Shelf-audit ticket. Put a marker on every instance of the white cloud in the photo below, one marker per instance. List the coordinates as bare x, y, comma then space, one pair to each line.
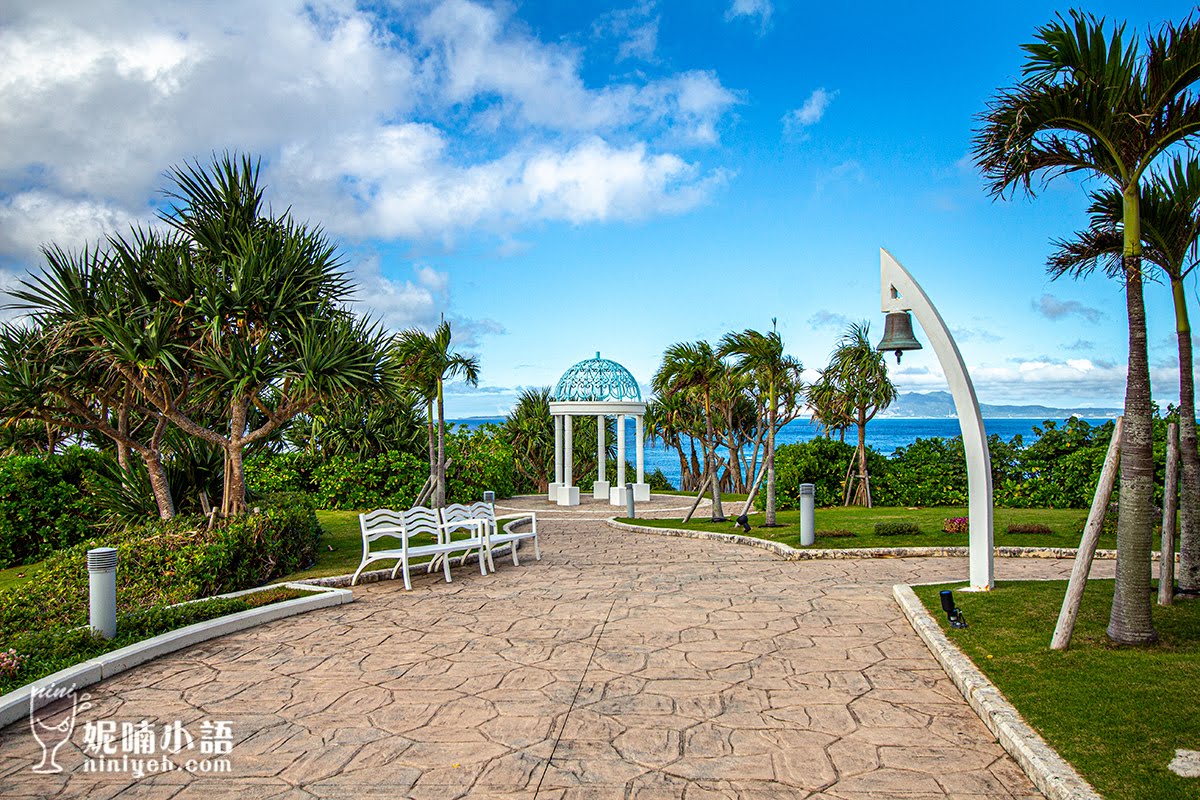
1053, 308
829, 319
759, 11
416, 120
798, 120
636, 31
416, 302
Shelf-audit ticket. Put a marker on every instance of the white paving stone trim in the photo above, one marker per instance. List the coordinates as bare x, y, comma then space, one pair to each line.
818, 553
15, 705
1046, 768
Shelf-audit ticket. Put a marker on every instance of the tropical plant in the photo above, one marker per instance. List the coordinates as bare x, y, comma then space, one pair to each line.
428, 362
1091, 102
857, 376
776, 377
695, 368
1170, 225
530, 431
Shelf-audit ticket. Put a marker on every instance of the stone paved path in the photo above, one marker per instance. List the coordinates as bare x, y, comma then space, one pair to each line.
621, 665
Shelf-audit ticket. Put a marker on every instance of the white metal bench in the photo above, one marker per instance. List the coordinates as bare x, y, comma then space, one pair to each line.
506, 535
402, 526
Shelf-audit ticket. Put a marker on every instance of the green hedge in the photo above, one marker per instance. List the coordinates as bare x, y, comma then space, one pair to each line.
165, 562
45, 504
481, 459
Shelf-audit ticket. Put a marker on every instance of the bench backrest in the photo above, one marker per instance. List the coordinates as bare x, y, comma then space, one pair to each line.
455, 515
380, 523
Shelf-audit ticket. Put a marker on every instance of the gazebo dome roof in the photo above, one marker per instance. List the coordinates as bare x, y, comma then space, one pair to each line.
596, 380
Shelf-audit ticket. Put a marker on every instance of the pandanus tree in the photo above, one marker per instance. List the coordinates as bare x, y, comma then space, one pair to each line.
55, 369
760, 356
857, 376
1170, 226
227, 325
673, 421
428, 361
1092, 102
694, 368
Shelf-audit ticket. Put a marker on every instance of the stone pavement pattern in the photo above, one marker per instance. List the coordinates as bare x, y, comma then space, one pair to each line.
621, 665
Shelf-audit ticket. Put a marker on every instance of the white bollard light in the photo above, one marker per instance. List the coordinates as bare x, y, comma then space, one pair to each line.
629, 511
102, 587
808, 523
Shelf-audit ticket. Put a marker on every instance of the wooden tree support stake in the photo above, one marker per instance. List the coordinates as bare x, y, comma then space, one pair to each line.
1087, 545
708, 478
1166, 556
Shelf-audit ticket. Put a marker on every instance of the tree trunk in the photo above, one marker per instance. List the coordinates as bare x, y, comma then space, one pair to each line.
159, 483
862, 496
122, 447
710, 457
440, 489
1189, 457
770, 465
433, 462
235, 483
1130, 621
697, 475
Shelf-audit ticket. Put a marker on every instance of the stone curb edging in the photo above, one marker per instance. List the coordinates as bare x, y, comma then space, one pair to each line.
793, 554
1053, 776
16, 704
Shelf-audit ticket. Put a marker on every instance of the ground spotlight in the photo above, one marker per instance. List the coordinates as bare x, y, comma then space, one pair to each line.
953, 613
743, 522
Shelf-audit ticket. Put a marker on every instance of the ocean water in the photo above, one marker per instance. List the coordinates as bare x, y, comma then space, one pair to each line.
885, 435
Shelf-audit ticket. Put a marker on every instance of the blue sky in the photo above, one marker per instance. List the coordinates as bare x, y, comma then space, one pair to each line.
560, 178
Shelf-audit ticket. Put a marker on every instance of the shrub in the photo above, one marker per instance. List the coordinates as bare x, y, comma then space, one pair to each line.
165, 562
821, 462
45, 504
840, 533
896, 528
956, 525
1021, 527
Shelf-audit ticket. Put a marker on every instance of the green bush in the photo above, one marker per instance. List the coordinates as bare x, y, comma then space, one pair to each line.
956, 525
821, 462
1029, 528
165, 562
45, 504
896, 528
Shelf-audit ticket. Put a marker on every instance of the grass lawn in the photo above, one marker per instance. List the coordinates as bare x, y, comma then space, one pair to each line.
1066, 526
1117, 714
15, 576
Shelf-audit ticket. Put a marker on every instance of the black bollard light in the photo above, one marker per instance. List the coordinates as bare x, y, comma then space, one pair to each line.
952, 611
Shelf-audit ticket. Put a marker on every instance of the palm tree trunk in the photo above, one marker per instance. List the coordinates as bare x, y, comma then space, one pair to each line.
235, 479
1130, 621
861, 496
122, 447
440, 493
770, 465
695, 471
710, 456
1189, 498
433, 462
159, 483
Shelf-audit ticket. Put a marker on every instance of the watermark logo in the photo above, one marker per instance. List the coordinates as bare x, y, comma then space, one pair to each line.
52, 713
135, 748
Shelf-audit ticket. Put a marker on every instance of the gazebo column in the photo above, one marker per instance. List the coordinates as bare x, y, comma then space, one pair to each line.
568, 494
600, 488
616, 497
558, 459
641, 489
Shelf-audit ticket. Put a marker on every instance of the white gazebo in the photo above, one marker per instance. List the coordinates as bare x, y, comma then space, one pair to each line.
601, 388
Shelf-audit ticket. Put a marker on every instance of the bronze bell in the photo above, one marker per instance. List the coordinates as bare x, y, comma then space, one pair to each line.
898, 334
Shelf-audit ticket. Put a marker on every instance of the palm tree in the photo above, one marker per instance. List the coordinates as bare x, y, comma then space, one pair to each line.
829, 407
857, 374
1091, 103
670, 420
689, 366
1170, 217
761, 355
431, 362
530, 430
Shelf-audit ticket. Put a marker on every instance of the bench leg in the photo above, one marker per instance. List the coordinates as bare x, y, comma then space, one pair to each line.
482, 563
358, 572
536, 550
446, 568
407, 582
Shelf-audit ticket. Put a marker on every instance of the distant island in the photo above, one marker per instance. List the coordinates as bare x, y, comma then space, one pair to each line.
935, 405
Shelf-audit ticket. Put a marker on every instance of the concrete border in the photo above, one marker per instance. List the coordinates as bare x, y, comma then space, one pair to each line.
792, 554
1053, 776
18, 703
